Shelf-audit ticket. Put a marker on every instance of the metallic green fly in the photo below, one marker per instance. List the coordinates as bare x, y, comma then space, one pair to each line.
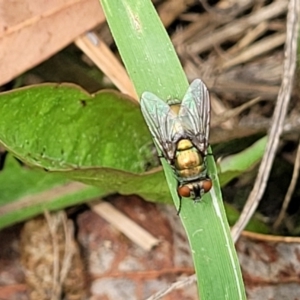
180, 131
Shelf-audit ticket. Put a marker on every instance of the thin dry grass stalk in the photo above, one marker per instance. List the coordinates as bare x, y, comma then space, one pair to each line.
278, 118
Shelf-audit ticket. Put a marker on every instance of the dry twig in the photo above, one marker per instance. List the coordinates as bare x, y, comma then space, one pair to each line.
175, 286
106, 61
128, 227
231, 30
290, 190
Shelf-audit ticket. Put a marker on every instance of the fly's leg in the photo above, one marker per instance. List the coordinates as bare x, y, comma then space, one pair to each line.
2, 158
179, 208
180, 199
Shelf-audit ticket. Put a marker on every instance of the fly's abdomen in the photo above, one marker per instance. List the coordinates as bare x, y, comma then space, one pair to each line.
189, 161
190, 173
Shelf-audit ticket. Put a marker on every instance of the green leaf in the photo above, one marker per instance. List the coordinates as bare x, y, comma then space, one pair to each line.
254, 225
234, 165
61, 127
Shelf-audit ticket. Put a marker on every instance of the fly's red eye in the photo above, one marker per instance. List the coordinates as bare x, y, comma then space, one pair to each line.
206, 185
184, 191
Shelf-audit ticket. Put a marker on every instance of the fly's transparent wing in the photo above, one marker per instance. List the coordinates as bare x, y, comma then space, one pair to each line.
194, 114
163, 124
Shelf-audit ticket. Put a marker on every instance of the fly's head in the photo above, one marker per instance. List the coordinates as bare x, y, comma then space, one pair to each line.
196, 189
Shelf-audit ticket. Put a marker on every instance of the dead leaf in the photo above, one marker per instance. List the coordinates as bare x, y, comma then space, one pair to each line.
32, 31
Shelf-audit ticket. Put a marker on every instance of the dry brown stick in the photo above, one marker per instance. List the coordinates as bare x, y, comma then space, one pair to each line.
169, 10
249, 38
233, 29
290, 190
255, 50
207, 22
180, 37
278, 118
106, 61
56, 287
128, 227
175, 286
69, 249
218, 107
225, 84
227, 9
231, 113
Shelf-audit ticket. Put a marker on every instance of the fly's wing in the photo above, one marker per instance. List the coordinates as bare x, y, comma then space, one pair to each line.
194, 114
163, 124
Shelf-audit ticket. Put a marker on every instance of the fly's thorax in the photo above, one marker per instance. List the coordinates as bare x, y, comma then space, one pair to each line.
174, 105
184, 144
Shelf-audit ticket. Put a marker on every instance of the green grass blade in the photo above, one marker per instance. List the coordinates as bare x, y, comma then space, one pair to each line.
153, 66
140, 20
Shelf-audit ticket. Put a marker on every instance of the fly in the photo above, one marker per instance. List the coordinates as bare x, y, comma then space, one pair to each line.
181, 130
